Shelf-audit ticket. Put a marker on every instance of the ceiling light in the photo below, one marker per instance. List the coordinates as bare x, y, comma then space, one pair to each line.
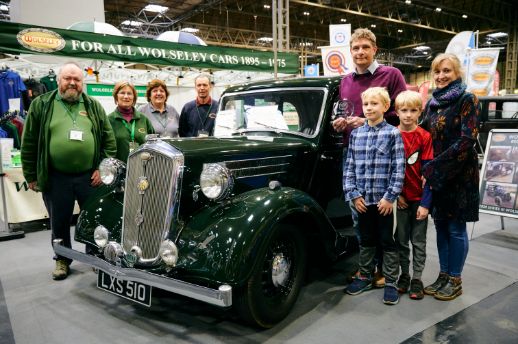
438, 9
189, 30
265, 39
305, 13
399, 30
343, 20
267, 6
306, 44
408, 2
373, 25
156, 8
4, 8
131, 23
422, 48
464, 16
497, 35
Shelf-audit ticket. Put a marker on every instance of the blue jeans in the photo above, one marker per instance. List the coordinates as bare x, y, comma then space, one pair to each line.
452, 245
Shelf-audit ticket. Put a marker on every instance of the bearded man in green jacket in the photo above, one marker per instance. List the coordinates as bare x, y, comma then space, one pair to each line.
66, 135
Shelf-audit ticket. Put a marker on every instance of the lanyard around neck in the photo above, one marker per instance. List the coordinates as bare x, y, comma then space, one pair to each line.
202, 122
132, 130
72, 116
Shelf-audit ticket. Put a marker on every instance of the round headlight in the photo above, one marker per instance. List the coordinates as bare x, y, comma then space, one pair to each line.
215, 181
112, 171
101, 236
113, 251
168, 252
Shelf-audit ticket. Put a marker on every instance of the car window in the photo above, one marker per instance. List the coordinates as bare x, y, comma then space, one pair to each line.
296, 111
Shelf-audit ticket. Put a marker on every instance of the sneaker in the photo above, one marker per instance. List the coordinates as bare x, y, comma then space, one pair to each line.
416, 289
350, 278
359, 285
390, 295
403, 283
451, 290
378, 279
61, 271
438, 284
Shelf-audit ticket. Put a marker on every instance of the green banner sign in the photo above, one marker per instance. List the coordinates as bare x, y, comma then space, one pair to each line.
19, 38
106, 90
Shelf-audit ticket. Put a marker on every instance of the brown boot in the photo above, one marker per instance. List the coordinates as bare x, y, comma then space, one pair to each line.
451, 290
61, 271
441, 281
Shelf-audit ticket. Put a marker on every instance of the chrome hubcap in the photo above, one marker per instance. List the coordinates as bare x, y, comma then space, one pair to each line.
280, 270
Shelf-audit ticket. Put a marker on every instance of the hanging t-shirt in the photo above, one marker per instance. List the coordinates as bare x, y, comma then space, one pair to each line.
50, 82
11, 86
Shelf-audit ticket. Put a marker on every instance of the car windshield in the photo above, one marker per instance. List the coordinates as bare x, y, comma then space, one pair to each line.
281, 110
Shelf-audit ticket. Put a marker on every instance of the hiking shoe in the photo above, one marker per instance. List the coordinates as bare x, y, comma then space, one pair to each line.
438, 284
359, 285
451, 290
416, 289
403, 283
390, 295
61, 271
378, 279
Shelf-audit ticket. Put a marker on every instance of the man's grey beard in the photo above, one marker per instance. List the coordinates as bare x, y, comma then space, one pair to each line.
70, 97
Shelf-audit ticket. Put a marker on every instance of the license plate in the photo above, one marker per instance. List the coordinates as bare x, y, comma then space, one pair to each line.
134, 291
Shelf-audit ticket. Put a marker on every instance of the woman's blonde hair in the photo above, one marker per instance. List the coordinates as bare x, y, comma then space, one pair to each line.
455, 62
119, 86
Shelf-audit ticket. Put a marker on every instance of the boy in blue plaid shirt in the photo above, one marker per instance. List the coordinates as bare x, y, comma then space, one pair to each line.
373, 179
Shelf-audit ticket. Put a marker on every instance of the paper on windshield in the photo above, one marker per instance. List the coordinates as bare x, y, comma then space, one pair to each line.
268, 117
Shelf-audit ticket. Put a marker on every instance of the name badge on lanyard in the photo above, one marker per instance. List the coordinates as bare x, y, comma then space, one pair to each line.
75, 135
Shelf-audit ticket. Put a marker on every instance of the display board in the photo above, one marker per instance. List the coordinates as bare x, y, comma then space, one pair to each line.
499, 174
23, 204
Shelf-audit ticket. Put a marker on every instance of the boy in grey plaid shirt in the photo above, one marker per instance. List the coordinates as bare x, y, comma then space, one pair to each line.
373, 179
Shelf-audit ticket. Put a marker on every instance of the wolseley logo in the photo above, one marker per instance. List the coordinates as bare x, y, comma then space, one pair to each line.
40, 40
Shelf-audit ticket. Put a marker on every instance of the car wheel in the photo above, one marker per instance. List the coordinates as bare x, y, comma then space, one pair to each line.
498, 200
507, 197
271, 291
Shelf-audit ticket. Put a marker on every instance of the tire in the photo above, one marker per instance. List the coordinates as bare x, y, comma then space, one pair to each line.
498, 200
264, 300
507, 197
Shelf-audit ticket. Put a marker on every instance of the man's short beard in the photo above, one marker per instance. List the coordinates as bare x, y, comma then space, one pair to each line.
70, 97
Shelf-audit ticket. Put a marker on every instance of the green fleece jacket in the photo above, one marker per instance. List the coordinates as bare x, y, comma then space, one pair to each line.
122, 135
36, 137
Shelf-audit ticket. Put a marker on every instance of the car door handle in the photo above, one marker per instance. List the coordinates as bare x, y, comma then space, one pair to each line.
325, 157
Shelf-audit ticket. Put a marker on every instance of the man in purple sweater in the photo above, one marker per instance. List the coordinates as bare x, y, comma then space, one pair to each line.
368, 73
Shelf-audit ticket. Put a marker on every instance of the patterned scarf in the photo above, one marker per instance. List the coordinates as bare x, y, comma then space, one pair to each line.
449, 94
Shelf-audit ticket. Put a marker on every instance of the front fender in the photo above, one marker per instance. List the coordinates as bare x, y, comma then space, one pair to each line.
104, 207
222, 242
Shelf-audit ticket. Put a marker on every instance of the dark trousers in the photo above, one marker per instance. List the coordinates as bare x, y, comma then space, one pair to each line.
64, 190
378, 229
413, 230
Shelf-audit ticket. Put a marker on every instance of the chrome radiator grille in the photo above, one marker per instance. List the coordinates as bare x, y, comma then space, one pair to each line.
153, 181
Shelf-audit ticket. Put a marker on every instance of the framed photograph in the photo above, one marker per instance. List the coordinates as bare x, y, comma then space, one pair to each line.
499, 174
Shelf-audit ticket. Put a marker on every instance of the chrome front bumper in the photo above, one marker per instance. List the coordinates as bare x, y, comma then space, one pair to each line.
220, 297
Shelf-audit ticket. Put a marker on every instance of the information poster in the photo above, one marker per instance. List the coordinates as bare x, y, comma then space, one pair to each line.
499, 175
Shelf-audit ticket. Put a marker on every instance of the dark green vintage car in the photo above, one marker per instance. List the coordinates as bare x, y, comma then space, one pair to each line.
231, 220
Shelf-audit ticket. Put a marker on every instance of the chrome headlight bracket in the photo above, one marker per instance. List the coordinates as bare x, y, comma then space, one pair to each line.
112, 172
216, 181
